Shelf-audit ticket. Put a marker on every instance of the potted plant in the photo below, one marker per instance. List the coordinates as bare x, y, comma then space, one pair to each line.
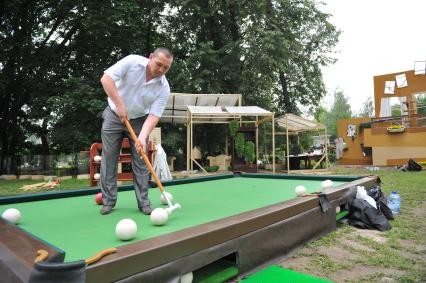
233, 128
214, 168
243, 148
239, 145
396, 129
249, 152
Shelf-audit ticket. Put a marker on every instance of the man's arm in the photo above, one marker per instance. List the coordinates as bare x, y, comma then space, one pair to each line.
149, 124
111, 90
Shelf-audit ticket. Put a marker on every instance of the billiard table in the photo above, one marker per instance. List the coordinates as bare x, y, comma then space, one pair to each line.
246, 218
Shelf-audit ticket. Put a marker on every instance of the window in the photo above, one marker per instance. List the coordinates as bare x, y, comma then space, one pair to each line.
420, 68
401, 81
420, 109
389, 87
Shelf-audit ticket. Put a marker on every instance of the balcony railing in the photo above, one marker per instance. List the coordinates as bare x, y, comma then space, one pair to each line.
412, 123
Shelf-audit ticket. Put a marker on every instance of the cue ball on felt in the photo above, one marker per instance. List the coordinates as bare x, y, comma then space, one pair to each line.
97, 176
159, 216
12, 214
98, 198
300, 191
163, 199
97, 158
326, 184
126, 229
187, 278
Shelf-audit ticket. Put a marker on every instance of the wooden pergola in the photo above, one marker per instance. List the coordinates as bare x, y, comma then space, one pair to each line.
223, 115
191, 109
294, 125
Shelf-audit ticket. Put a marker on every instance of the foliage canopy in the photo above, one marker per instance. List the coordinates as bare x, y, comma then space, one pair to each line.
54, 53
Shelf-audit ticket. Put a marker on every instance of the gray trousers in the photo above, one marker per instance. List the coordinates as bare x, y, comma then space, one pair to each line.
113, 132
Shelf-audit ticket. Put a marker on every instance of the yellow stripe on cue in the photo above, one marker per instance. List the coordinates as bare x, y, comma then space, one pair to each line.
100, 255
41, 255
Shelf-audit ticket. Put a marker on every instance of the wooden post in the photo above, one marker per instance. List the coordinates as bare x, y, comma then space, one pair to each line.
257, 141
188, 148
326, 150
273, 144
191, 144
288, 152
226, 142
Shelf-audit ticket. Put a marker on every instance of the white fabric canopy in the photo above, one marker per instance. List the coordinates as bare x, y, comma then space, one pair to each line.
177, 105
229, 110
224, 114
297, 124
255, 110
205, 110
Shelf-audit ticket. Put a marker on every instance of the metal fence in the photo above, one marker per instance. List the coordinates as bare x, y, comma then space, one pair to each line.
48, 165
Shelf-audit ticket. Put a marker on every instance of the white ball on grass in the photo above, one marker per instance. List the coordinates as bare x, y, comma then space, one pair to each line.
97, 158
163, 199
159, 216
326, 184
300, 191
126, 229
187, 278
12, 215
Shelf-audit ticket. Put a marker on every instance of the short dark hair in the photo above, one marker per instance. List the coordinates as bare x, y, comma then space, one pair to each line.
165, 51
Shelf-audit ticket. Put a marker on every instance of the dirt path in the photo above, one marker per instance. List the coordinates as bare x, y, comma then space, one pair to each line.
356, 255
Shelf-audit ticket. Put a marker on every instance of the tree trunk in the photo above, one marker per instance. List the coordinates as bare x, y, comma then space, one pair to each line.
285, 101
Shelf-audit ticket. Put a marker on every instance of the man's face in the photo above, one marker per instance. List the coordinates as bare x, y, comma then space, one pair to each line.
159, 65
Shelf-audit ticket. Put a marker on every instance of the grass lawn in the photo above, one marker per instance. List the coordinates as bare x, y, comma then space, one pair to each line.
355, 255
12, 187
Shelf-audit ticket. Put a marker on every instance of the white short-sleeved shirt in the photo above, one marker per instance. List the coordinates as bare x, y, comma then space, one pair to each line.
140, 97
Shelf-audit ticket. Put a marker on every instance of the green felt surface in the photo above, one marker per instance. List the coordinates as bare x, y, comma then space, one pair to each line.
75, 225
218, 271
275, 273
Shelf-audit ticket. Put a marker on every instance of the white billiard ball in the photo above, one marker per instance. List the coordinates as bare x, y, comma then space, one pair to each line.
126, 229
326, 184
300, 191
163, 198
159, 216
187, 278
12, 215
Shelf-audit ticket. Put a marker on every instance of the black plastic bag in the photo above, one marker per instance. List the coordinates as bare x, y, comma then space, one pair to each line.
413, 165
363, 215
381, 202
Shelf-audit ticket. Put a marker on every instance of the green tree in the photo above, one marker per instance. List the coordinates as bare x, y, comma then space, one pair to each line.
340, 109
53, 54
289, 43
271, 52
367, 109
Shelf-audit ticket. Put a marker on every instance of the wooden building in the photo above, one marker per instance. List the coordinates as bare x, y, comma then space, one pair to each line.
398, 130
